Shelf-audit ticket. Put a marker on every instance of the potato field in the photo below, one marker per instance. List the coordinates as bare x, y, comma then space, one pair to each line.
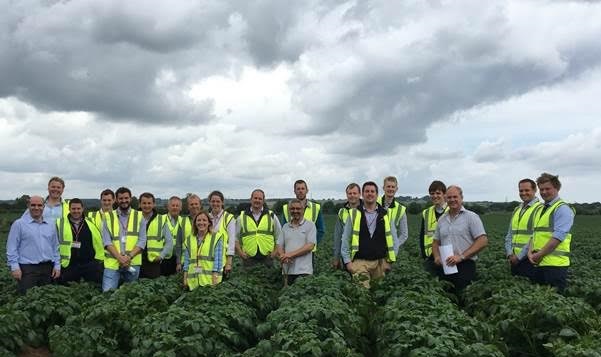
409, 313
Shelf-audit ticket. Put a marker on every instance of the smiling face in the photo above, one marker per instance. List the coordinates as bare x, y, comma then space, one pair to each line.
194, 206
257, 199
370, 194
296, 211
353, 195
454, 199
390, 188
146, 205
106, 202
36, 207
174, 207
124, 200
202, 223
300, 191
527, 192
76, 211
55, 190
216, 204
547, 191
437, 197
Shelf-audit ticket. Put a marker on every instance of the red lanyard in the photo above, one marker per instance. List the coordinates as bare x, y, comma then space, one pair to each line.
76, 232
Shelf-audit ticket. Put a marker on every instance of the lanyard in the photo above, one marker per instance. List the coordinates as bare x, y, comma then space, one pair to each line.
76, 231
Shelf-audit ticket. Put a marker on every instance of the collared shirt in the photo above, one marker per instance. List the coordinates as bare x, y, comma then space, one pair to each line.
460, 231
509, 236
563, 219
53, 212
230, 229
32, 242
293, 237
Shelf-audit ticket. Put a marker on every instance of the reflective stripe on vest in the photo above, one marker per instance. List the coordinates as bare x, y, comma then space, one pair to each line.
522, 227
310, 214
430, 223
543, 232
204, 260
65, 239
255, 237
394, 213
155, 241
131, 239
356, 221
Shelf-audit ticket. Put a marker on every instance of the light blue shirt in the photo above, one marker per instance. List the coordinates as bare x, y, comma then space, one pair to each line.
563, 219
50, 212
32, 242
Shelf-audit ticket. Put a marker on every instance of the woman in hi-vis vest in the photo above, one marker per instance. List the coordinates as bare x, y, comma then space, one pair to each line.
203, 254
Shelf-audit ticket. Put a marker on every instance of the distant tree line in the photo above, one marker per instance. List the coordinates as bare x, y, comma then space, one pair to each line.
414, 206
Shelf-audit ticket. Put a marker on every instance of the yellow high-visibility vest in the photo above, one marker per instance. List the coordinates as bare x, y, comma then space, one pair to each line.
356, 221
200, 269
131, 239
65, 239
543, 232
430, 223
259, 237
522, 227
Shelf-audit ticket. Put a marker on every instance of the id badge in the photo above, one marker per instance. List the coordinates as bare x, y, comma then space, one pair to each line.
198, 270
76, 245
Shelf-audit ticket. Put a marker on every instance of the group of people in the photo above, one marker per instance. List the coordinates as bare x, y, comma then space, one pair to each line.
54, 240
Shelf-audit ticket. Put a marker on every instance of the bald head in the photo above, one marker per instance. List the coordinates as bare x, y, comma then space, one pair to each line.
36, 207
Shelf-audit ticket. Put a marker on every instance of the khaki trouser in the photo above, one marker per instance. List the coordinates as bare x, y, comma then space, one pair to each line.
366, 270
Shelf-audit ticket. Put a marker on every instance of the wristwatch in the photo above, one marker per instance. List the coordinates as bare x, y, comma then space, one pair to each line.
462, 257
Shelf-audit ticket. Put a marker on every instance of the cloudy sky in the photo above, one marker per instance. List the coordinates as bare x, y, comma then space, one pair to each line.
189, 96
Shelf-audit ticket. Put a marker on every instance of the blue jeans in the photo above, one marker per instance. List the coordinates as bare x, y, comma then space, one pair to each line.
110, 277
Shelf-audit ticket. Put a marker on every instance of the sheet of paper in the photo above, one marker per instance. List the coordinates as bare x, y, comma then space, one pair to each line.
445, 252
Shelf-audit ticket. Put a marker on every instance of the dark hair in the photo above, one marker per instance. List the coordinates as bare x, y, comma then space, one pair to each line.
218, 194
122, 190
369, 183
75, 200
530, 181
351, 186
298, 182
257, 190
107, 192
437, 186
547, 177
195, 229
147, 195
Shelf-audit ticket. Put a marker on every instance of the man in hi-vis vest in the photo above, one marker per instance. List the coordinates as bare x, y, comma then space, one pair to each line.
520, 230
430, 216
80, 246
124, 245
549, 250
256, 230
369, 238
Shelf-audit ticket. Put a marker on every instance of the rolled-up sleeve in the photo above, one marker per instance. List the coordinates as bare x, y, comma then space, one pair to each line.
564, 219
